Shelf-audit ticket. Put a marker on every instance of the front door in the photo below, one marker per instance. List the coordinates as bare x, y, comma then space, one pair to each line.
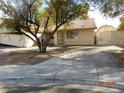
61, 38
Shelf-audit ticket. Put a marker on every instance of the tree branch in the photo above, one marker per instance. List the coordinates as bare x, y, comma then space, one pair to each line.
46, 24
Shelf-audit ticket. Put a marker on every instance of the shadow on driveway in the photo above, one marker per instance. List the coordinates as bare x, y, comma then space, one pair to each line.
70, 88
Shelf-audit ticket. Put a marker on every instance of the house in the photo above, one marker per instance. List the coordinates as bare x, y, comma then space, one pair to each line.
103, 35
106, 28
79, 32
108, 35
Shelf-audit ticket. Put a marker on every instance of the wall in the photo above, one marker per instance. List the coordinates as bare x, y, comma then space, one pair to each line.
16, 40
4, 30
110, 38
117, 38
85, 37
103, 38
55, 39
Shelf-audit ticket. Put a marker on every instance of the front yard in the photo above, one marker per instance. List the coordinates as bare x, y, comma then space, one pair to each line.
23, 57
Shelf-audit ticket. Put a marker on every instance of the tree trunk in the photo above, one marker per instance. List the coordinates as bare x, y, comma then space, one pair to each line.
43, 49
45, 39
39, 46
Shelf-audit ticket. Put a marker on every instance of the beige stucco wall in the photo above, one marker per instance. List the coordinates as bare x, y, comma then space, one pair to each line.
55, 38
117, 38
106, 28
85, 37
110, 38
16, 40
103, 38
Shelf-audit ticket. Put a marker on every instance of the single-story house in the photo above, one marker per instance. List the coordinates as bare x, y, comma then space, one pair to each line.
79, 32
106, 28
108, 35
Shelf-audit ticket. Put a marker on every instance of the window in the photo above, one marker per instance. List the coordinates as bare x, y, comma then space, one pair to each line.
71, 35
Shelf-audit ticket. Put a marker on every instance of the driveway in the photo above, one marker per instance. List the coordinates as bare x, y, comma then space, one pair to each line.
83, 65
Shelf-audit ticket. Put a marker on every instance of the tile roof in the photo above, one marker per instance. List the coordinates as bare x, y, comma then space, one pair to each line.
82, 24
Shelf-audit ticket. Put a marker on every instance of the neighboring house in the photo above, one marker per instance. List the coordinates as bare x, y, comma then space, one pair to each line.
106, 28
108, 35
103, 35
79, 32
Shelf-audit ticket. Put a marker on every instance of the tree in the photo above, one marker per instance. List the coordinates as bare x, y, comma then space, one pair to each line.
28, 16
121, 26
110, 8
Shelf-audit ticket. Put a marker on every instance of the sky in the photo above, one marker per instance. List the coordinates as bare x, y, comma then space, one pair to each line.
101, 20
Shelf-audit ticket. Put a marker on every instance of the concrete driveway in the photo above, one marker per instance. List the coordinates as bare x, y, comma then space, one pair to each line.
94, 66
